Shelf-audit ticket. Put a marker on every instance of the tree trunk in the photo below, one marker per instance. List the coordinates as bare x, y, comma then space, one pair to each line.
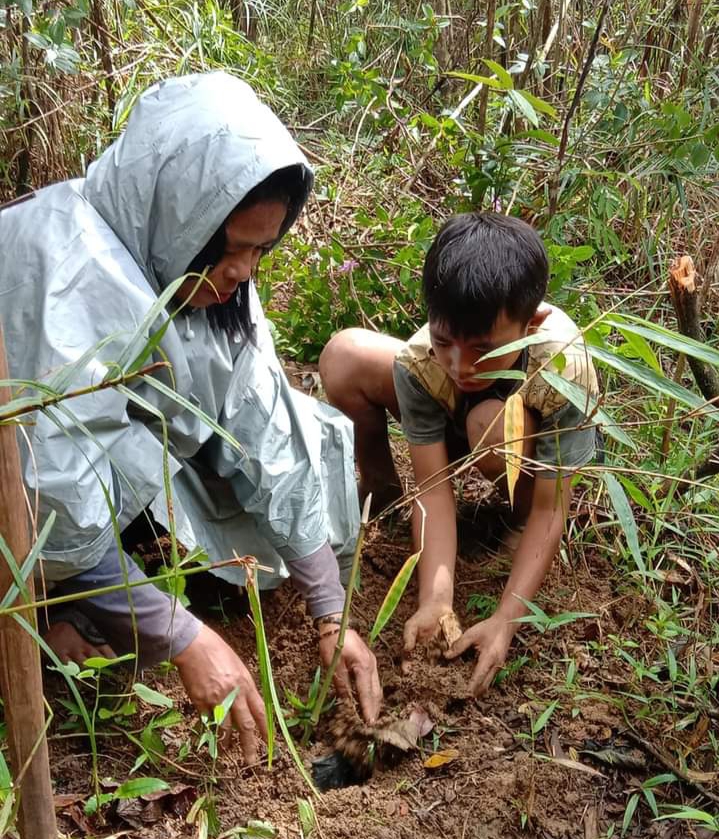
20, 676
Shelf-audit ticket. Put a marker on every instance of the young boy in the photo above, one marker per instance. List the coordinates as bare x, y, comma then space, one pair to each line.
484, 280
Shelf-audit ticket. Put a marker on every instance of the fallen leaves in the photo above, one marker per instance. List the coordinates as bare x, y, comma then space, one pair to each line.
441, 758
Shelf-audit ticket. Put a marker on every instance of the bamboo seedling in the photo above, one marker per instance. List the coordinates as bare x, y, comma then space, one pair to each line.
354, 574
399, 584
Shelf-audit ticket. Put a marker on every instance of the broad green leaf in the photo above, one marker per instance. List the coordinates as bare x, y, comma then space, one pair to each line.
626, 518
136, 787
544, 717
220, 712
393, 596
665, 337
185, 403
640, 347
650, 379
629, 812
538, 134
587, 403
519, 344
524, 107
691, 814
539, 104
505, 80
513, 441
99, 662
152, 697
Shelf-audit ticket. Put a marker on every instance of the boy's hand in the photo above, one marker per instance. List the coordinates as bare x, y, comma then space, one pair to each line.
491, 638
423, 626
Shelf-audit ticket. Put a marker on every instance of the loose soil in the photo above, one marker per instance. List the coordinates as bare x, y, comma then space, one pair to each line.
504, 782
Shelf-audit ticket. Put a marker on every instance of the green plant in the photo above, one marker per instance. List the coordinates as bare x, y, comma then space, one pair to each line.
645, 791
301, 711
542, 622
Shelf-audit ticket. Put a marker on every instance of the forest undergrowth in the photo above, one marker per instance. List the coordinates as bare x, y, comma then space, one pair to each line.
595, 122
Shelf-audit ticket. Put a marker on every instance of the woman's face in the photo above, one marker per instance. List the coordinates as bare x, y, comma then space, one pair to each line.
249, 233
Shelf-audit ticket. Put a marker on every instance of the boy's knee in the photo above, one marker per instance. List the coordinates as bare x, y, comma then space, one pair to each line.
485, 429
340, 361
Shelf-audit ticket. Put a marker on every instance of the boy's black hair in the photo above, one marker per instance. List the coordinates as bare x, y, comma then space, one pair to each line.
290, 185
479, 265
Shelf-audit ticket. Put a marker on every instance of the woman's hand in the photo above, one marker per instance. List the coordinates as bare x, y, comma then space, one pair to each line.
356, 662
210, 670
491, 638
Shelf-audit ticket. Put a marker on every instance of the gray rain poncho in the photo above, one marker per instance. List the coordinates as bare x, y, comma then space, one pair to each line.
84, 261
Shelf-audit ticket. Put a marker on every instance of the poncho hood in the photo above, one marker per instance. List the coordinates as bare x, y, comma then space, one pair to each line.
193, 147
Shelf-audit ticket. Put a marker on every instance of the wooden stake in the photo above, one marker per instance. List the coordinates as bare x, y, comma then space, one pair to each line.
20, 676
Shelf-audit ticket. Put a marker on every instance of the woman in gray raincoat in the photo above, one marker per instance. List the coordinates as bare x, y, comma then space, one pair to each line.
203, 179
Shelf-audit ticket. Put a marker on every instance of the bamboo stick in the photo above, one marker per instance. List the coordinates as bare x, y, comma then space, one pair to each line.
20, 676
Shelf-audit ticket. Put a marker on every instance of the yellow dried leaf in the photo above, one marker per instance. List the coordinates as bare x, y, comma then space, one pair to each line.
441, 758
451, 628
701, 777
573, 754
514, 444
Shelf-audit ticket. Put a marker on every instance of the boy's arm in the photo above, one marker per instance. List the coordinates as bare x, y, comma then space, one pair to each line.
532, 560
436, 567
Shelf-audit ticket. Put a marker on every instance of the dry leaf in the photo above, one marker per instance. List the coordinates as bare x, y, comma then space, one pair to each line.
421, 719
441, 758
451, 628
513, 442
702, 777
575, 764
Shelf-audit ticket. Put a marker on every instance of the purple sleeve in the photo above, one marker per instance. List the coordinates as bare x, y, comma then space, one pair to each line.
317, 578
164, 627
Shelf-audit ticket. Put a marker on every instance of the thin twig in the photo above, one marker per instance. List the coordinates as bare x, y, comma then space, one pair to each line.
49, 401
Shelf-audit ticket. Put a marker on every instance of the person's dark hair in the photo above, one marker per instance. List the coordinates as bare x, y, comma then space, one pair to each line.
480, 264
290, 185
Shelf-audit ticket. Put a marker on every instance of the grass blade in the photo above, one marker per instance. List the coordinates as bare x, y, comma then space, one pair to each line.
397, 589
626, 518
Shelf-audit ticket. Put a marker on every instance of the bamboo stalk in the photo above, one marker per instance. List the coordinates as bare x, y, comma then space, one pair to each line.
324, 690
20, 675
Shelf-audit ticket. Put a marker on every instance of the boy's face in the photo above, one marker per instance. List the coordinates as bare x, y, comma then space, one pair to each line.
459, 357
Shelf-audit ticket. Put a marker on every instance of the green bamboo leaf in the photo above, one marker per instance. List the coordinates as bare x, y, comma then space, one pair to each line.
393, 596
664, 337
518, 375
68, 373
505, 80
629, 812
543, 718
470, 77
641, 348
539, 104
198, 412
140, 786
626, 518
519, 344
524, 107
587, 403
263, 663
139, 339
650, 379
21, 574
